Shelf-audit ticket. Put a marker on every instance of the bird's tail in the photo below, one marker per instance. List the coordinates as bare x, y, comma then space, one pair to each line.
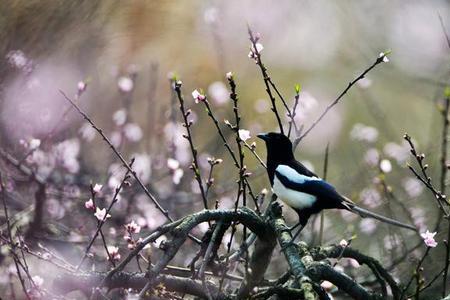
364, 213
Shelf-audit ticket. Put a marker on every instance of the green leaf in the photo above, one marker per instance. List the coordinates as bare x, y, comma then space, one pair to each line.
297, 88
447, 92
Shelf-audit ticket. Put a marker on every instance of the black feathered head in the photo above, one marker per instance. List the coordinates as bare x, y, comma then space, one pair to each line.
279, 147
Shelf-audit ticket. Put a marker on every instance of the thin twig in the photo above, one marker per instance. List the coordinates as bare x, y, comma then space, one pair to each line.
125, 164
416, 274
378, 61
266, 77
101, 222
426, 180
11, 241
187, 124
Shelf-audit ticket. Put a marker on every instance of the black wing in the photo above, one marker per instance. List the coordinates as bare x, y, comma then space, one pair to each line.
310, 184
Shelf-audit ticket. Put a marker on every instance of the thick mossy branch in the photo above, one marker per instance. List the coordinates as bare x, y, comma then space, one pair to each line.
291, 253
136, 281
335, 251
307, 266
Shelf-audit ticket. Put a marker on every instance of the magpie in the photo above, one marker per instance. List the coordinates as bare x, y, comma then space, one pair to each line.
303, 190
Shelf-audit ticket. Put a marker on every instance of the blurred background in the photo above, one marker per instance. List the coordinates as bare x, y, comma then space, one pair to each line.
116, 58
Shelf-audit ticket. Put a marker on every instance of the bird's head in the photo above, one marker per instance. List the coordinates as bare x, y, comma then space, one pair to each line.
279, 147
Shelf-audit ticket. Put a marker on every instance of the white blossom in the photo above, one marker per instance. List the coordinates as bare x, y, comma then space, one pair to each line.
210, 15
100, 214
17, 59
38, 280
133, 132
412, 186
219, 92
173, 164
361, 132
133, 227
177, 175
87, 132
244, 134
67, 153
120, 117
399, 152
370, 197
125, 84
198, 96
259, 47
97, 187
343, 243
116, 138
385, 166
142, 166
383, 55
372, 157
364, 83
113, 252
34, 143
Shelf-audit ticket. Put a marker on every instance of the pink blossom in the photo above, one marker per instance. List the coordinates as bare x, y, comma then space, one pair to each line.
353, 263
198, 96
81, 86
244, 134
100, 214
343, 243
114, 253
326, 285
89, 204
229, 75
133, 227
428, 238
97, 187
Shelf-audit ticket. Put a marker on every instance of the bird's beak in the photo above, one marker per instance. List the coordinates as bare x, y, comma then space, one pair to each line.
263, 136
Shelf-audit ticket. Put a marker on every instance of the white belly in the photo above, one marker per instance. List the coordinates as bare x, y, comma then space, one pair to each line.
292, 198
